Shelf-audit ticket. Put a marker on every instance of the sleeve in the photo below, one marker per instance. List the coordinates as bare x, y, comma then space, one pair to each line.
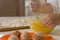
55, 5
59, 5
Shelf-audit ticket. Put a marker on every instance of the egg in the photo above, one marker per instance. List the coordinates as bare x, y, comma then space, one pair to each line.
13, 37
25, 36
38, 36
17, 33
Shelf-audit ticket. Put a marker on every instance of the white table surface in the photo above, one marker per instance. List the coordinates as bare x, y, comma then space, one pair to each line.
55, 33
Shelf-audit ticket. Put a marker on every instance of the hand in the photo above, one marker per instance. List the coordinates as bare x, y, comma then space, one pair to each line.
34, 5
40, 7
45, 8
52, 20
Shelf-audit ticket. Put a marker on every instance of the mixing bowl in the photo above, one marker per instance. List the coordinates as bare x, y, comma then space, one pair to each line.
36, 25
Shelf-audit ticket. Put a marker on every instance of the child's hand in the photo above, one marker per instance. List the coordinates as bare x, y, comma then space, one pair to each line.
52, 20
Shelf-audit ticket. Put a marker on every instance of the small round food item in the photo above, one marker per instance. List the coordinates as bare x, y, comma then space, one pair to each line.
38, 36
25, 36
13, 37
17, 33
32, 36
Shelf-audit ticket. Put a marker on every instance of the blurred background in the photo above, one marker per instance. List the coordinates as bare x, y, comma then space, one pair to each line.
12, 7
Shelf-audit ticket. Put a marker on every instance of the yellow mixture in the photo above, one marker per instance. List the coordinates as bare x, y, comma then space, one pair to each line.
38, 27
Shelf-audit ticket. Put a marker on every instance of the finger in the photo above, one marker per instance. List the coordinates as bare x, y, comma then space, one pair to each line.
52, 25
46, 20
34, 0
43, 22
33, 5
33, 9
49, 23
